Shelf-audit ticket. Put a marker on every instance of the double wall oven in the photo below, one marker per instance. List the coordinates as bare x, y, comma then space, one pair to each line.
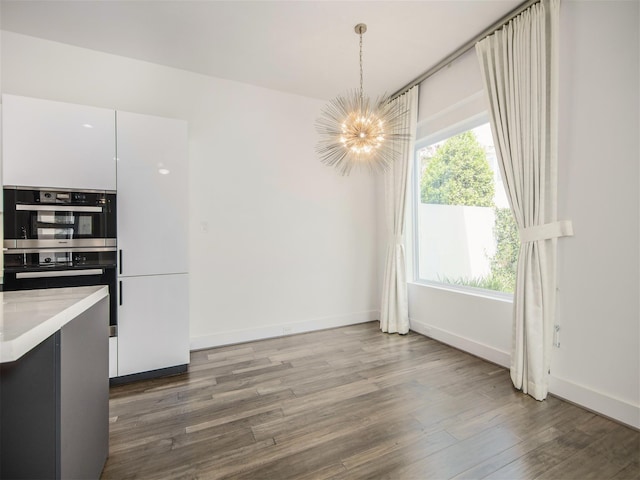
60, 238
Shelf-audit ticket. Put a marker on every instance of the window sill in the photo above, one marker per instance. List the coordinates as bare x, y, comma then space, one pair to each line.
474, 292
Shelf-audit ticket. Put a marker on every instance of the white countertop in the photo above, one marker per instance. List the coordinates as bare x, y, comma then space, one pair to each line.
31, 316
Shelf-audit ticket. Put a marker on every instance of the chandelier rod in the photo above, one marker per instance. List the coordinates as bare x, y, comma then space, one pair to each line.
360, 29
361, 82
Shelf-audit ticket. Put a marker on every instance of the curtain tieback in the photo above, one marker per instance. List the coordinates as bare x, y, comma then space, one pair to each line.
563, 228
398, 239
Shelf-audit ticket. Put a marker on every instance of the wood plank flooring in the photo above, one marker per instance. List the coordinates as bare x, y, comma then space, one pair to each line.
354, 403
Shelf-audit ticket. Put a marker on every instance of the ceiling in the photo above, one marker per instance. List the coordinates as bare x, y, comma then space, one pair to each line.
302, 47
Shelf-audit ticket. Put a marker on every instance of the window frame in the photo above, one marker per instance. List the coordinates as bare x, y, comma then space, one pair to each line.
460, 127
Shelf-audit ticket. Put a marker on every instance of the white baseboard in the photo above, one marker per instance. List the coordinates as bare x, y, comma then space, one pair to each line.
603, 404
466, 344
278, 330
595, 401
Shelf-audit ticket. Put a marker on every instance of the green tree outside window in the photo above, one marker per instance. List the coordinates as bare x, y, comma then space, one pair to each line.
458, 174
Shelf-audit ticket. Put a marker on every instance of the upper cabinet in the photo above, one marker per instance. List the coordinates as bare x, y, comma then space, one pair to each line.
152, 194
55, 144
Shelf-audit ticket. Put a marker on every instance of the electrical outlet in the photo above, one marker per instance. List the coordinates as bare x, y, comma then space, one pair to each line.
556, 336
287, 330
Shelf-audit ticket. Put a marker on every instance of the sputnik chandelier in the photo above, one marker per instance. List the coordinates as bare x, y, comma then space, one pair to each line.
355, 132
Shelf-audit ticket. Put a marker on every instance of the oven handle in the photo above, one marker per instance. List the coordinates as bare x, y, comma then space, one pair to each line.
59, 250
60, 273
59, 243
58, 208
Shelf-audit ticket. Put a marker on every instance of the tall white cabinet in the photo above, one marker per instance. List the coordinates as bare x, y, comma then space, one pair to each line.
56, 144
153, 328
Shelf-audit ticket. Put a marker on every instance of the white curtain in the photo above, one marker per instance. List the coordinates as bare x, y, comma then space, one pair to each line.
519, 66
394, 311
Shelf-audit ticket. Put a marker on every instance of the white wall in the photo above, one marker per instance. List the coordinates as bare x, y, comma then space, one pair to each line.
598, 362
599, 155
278, 242
453, 95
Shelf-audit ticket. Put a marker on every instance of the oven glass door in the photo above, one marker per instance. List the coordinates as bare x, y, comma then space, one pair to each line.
44, 222
33, 259
62, 220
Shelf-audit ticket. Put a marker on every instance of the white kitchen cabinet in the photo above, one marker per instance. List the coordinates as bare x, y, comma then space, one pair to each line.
153, 321
152, 194
113, 357
55, 144
153, 326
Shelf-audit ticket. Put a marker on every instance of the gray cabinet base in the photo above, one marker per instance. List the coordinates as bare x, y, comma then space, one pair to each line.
161, 372
29, 413
54, 403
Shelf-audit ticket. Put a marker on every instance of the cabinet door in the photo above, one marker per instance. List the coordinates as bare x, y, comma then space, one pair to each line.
153, 323
113, 357
55, 144
152, 194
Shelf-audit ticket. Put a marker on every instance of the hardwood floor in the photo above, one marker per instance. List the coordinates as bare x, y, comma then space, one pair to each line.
353, 403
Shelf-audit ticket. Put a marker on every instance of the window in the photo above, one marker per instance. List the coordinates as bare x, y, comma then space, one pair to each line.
465, 232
